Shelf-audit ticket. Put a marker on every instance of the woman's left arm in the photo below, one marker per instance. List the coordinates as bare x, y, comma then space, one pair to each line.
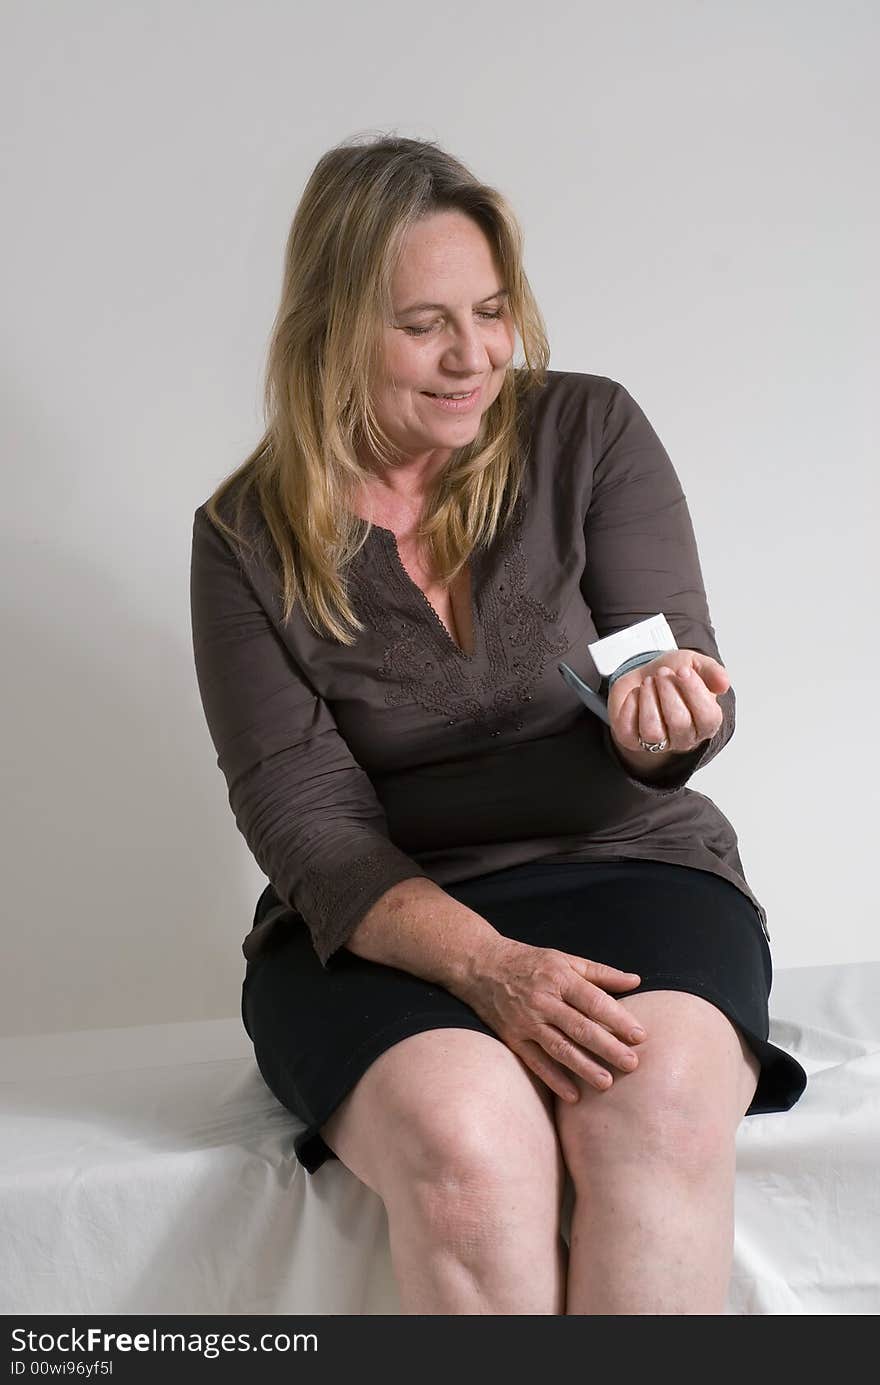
641, 559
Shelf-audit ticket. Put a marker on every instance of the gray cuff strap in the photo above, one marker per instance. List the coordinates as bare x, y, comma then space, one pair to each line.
627, 666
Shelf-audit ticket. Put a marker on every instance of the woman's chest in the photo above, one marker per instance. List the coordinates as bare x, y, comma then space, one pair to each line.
452, 603
435, 667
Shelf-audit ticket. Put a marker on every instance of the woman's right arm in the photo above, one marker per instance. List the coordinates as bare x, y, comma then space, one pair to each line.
553, 1009
419, 928
303, 804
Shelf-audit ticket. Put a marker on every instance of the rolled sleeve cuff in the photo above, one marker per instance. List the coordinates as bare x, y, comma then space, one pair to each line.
334, 900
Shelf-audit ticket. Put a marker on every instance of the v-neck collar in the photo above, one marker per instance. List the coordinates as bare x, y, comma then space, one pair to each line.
414, 592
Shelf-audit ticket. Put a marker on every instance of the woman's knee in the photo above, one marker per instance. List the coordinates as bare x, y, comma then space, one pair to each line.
679, 1109
465, 1173
450, 1120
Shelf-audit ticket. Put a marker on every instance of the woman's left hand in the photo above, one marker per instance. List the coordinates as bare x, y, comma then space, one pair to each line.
674, 697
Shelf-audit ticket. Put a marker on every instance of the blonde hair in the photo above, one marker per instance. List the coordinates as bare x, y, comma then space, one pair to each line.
344, 243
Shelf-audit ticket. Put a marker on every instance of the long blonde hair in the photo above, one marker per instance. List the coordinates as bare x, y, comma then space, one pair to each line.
344, 243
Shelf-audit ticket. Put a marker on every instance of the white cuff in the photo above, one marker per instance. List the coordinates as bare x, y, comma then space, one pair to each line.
609, 653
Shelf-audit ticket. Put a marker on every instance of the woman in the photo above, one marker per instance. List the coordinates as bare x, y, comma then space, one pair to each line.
501, 940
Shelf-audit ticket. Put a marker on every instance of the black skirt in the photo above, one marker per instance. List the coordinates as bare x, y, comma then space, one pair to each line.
316, 1030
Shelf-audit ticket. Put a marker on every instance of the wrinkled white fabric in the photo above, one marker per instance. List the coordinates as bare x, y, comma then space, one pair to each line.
150, 1171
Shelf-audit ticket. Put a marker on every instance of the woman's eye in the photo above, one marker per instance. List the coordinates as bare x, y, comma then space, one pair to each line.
421, 331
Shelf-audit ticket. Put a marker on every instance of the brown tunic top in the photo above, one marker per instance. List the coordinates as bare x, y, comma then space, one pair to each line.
350, 768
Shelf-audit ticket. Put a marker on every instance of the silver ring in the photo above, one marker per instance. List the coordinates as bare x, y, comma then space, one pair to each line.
654, 745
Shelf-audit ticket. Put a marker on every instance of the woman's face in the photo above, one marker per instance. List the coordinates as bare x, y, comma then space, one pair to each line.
464, 342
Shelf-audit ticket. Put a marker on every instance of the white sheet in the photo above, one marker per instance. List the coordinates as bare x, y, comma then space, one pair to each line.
150, 1171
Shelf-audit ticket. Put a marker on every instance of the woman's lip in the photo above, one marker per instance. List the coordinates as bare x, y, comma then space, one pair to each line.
472, 390
455, 406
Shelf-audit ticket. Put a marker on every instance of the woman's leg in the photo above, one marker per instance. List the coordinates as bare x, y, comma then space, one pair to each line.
456, 1135
653, 1161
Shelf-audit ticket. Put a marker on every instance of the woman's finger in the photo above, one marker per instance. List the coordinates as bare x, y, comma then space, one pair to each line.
673, 712
595, 1004
625, 720
712, 674
553, 1075
651, 724
702, 705
586, 1064
601, 974
591, 1036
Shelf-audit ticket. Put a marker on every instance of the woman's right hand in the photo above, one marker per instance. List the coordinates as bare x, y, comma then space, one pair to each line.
553, 1010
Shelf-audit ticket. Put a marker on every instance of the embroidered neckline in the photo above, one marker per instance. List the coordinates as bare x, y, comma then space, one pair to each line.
515, 634
407, 584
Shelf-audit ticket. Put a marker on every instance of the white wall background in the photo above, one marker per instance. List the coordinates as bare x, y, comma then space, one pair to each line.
697, 185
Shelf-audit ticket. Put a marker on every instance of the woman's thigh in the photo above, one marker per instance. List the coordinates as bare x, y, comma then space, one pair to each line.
448, 1105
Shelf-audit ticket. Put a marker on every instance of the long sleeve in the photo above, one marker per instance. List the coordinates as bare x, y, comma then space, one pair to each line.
305, 807
642, 558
